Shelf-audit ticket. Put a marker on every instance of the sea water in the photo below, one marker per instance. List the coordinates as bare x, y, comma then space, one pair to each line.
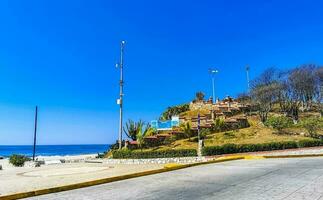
52, 150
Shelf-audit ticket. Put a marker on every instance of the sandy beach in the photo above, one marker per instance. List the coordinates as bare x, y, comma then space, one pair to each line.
76, 169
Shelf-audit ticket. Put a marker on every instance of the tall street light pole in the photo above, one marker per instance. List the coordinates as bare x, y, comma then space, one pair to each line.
213, 72
120, 100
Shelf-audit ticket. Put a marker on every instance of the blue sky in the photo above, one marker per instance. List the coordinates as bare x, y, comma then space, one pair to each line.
61, 55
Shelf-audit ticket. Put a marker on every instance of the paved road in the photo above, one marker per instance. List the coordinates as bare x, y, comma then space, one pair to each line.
244, 179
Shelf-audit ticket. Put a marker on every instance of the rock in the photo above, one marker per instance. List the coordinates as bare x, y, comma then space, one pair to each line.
0, 167
52, 162
1, 157
32, 164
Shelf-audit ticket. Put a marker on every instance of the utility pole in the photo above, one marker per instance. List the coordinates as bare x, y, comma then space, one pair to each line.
35, 132
120, 100
213, 72
248, 80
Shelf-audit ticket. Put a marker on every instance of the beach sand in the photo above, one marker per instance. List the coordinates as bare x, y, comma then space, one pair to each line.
24, 179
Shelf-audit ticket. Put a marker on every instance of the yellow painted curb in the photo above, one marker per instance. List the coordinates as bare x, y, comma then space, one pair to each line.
172, 165
250, 157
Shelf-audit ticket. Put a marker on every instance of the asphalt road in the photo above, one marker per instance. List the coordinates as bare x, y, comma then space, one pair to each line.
296, 178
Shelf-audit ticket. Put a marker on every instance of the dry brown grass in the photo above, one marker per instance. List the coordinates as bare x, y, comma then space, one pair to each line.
256, 133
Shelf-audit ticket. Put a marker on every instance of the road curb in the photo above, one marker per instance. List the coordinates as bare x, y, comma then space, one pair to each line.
112, 179
294, 156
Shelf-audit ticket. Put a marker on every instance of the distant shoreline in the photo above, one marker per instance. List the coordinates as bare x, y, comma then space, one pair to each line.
53, 150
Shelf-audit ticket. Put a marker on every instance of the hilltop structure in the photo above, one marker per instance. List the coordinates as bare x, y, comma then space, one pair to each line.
228, 109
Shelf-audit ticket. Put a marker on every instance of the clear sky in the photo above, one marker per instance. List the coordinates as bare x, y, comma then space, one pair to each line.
61, 56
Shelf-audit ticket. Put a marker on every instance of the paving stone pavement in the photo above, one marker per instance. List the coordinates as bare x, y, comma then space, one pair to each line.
286, 179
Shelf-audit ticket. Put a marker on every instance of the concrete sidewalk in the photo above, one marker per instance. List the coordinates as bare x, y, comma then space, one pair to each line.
18, 180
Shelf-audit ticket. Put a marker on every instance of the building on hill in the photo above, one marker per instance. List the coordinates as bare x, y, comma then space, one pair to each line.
227, 109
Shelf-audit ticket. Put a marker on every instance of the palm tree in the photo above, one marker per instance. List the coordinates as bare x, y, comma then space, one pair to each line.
132, 128
144, 131
187, 129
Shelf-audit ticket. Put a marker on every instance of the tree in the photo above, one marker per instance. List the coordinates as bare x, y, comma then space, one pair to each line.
199, 96
303, 86
218, 125
144, 131
140, 138
319, 83
264, 92
187, 129
174, 111
132, 128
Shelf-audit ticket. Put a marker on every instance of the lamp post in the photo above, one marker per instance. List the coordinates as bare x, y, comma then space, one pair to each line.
120, 100
35, 132
199, 147
213, 72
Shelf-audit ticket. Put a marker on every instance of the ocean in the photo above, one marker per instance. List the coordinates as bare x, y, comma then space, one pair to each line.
52, 150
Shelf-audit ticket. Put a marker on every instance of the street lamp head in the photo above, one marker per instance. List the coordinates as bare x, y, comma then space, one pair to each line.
213, 71
123, 42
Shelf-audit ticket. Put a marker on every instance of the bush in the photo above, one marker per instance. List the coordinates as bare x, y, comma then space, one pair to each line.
204, 132
279, 123
125, 153
312, 124
169, 140
219, 125
235, 148
18, 160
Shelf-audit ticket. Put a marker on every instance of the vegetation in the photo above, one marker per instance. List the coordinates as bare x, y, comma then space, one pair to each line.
236, 148
294, 90
312, 125
279, 123
278, 99
219, 125
18, 160
187, 130
174, 111
132, 128
125, 153
138, 129
199, 96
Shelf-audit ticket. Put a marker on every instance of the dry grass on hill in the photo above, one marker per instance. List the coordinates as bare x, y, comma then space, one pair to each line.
256, 133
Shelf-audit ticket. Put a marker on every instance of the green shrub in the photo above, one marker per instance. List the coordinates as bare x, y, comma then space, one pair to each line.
312, 124
204, 132
125, 153
236, 148
279, 123
219, 125
18, 160
169, 140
